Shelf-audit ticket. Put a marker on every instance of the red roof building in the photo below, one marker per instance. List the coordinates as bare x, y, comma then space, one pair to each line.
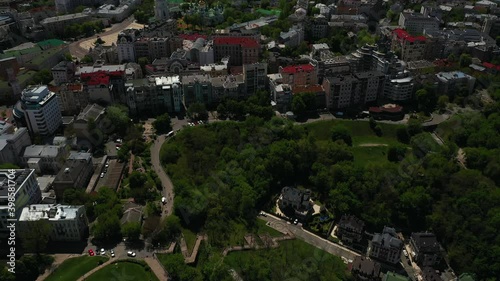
412, 48
241, 50
299, 75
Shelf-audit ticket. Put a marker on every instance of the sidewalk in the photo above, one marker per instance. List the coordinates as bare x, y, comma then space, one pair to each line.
157, 268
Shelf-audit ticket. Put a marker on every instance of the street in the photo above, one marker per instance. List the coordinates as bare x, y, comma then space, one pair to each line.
310, 238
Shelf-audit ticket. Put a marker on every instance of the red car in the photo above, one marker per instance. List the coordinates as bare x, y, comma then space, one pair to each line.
91, 253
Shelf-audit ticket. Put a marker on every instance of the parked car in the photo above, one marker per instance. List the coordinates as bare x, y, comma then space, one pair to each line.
131, 254
102, 175
164, 200
112, 253
296, 221
91, 253
103, 252
263, 214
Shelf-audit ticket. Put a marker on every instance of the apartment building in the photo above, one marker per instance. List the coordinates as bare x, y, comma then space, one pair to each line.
45, 159
69, 223
75, 173
343, 91
125, 45
232, 86
255, 77
12, 145
399, 88
39, 110
63, 72
26, 192
452, 82
416, 23
92, 112
281, 94
241, 50
56, 25
154, 94
72, 98
197, 89
412, 48
304, 74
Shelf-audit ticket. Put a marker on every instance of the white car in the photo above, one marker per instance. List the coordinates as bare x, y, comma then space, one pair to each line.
131, 254
112, 253
103, 252
296, 221
102, 175
163, 200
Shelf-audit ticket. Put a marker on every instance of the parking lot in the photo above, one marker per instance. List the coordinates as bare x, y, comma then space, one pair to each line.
110, 175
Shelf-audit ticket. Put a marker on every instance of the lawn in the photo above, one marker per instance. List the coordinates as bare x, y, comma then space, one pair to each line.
190, 238
123, 270
262, 228
293, 259
360, 131
74, 268
364, 155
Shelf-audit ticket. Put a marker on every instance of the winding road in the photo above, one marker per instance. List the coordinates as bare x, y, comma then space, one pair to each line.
168, 187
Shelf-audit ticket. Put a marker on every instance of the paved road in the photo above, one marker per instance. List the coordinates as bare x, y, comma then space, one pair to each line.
310, 238
168, 187
78, 51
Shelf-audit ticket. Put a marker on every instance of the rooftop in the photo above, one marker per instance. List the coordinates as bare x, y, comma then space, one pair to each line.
50, 212
297, 68
352, 222
402, 34
426, 242
64, 18
308, 89
169, 80
388, 237
91, 111
242, 41
365, 266
41, 151
20, 177
446, 76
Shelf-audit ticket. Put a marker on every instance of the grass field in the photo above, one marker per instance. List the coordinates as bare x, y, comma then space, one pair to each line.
293, 259
190, 238
262, 228
369, 154
123, 270
74, 268
361, 132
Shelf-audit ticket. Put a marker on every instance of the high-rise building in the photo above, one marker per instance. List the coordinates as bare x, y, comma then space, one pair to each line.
255, 77
26, 192
39, 109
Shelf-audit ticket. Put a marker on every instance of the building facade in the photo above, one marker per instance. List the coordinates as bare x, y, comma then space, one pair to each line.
299, 75
255, 77
416, 23
426, 249
241, 50
69, 223
412, 48
26, 192
72, 98
75, 173
197, 89
39, 108
350, 229
13, 144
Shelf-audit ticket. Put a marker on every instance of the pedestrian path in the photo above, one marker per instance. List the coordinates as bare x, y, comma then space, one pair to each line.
86, 275
157, 268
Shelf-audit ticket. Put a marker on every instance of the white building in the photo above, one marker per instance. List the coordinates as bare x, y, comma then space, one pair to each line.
399, 89
125, 46
41, 110
454, 81
69, 223
26, 192
416, 23
45, 158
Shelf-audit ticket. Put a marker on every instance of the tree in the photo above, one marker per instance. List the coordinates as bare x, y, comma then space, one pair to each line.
73, 196
43, 77
396, 153
298, 105
341, 133
443, 102
264, 4
425, 100
87, 59
465, 60
162, 124
118, 116
402, 135
107, 227
198, 111
414, 127
35, 240
131, 230
6, 275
